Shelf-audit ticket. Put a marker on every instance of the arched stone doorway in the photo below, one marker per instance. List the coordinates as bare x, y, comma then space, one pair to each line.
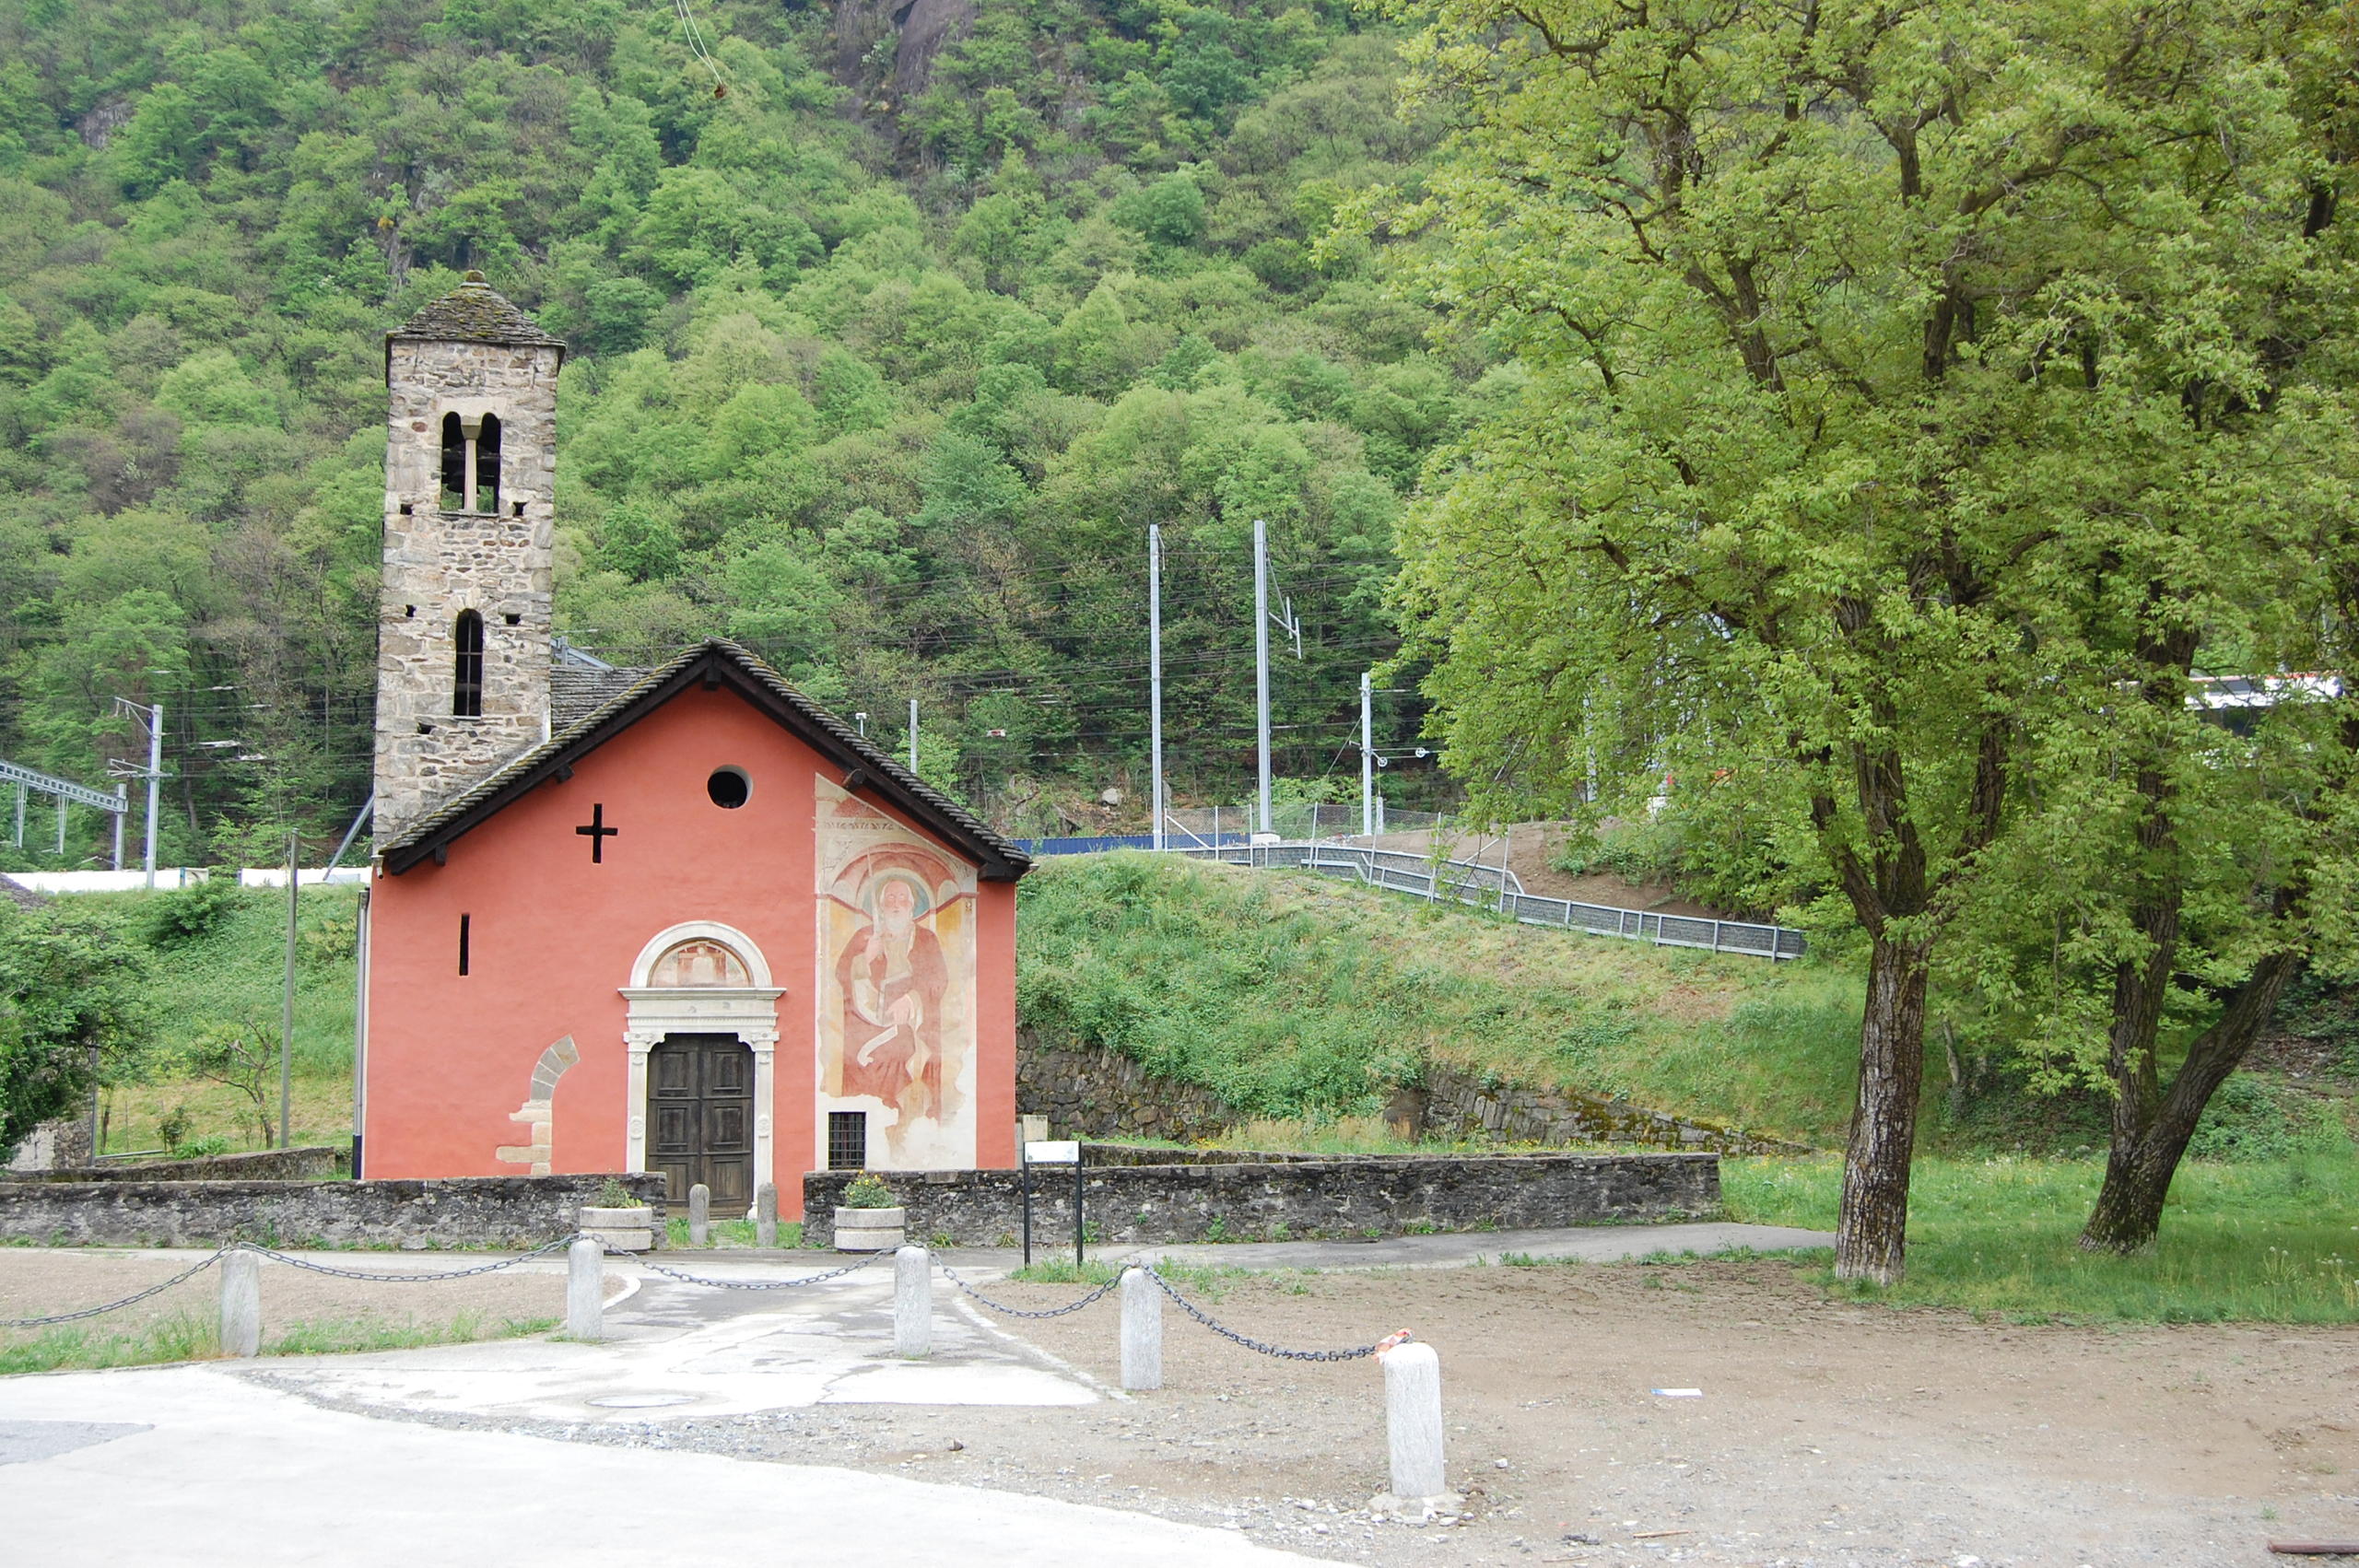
702, 1034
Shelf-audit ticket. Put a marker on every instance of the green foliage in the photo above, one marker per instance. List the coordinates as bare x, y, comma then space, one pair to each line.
73, 1012
193, 913
886, 427
868, 1191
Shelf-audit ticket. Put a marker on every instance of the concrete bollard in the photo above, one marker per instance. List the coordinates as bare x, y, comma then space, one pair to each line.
1141, 1331
912, 1303
1412, 1420
700, 1215
765, 1215
241, 1304
585, 1290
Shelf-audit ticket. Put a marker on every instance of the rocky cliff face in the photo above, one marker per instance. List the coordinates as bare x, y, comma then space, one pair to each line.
885, 48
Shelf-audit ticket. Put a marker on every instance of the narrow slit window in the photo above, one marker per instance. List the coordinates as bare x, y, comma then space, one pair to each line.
455, 464
487, 468
466, 683
846, 1141
463, 944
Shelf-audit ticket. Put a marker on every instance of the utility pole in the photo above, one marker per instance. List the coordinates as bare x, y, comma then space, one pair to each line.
287, 1003
1261, 664
1367, 759
1261, 619
913, 735
153, 718
1155, 657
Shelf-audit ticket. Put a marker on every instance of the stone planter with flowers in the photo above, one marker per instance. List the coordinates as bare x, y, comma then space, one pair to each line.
869, 1220
620, 1220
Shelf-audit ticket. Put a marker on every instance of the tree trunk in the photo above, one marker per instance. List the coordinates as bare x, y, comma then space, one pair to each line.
2144, 1158
1871, 1237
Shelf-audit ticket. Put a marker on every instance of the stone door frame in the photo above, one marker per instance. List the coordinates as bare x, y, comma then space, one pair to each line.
750, 1012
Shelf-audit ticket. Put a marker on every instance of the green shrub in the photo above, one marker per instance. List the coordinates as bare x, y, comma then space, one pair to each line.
868, 1192
195, 912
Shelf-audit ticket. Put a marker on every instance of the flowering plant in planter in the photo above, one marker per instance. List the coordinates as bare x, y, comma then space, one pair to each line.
868, 1191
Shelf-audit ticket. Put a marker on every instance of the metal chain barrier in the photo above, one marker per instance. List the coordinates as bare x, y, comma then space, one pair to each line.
402, 1278
751, 1284
190, 1272
1226, 1333
952, 1275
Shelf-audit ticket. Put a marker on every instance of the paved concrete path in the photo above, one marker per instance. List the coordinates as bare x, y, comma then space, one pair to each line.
1595, 1243
678, 1350
196, 1465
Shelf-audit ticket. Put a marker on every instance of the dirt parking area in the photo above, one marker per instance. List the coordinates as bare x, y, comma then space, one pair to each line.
35, 1281
1824, 1433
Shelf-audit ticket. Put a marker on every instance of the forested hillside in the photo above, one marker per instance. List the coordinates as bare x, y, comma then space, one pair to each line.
882, 361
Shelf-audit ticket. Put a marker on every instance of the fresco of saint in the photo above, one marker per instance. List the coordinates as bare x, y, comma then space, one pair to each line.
892, 979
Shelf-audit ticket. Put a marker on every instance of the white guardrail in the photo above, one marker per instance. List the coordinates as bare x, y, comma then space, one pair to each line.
1495, 887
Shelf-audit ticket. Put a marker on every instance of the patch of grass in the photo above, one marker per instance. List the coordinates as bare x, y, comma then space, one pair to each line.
2273, 1241
726, 1234
193, 1336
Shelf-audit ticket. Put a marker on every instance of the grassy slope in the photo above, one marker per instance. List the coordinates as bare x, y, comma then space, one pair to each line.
1294, 995
233, 974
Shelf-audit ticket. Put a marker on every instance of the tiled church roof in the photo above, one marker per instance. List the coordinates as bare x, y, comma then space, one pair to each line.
581, 684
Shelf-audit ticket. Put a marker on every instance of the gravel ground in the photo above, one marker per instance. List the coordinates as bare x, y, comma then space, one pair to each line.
1824, 1434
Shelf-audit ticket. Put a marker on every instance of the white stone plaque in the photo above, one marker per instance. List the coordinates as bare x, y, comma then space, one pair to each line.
1064, 1153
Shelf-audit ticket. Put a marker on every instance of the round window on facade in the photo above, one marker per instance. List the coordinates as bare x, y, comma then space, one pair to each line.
729, 787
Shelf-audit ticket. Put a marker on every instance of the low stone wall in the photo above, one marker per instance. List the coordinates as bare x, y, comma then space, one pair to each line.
1357, 1196
316, 1162
470, 1212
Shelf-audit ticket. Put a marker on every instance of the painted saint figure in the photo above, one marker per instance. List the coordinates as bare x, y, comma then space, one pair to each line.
892, 979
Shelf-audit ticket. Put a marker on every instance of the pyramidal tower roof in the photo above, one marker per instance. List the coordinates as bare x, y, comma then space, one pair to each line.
475, 313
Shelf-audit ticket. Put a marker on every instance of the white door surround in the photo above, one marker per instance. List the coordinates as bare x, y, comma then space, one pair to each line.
750, 1012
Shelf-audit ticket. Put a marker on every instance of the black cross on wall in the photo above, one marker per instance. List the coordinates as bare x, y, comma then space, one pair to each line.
597, 832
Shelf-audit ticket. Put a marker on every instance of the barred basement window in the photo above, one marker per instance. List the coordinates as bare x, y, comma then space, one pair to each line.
846, 1141
466, 685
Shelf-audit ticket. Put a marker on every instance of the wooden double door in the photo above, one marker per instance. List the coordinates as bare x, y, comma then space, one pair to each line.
700, 1118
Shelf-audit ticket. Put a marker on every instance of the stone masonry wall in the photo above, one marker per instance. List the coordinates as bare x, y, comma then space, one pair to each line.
313, 1162
1354, 1198
438, 563
473, 1211
1100, 1093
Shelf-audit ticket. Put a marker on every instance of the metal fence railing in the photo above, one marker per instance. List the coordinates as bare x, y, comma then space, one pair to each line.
1495, 887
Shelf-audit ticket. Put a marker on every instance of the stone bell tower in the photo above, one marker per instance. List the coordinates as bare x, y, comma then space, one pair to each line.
462, 615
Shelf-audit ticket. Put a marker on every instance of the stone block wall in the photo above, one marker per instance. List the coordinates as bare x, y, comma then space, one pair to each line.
1100, 1094
1346, 1199
1460, 1105
313, 1162
438, 563
502, 1212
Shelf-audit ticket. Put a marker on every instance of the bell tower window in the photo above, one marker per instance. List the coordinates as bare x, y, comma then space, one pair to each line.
455, 464
486, 494
466, 685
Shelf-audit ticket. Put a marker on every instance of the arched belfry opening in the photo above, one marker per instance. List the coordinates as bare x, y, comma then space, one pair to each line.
466, 676
486, 494
455, 464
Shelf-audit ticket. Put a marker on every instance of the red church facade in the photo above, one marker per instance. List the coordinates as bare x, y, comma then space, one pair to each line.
700, 927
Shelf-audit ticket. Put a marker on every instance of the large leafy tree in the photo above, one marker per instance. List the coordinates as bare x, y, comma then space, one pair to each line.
1891, 368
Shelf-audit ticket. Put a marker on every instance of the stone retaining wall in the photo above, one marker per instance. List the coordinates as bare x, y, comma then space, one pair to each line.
1100, 1094
1231, 1200
472, 1211
316, 1162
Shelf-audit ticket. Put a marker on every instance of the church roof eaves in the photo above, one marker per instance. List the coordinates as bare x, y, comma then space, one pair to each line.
713, 662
